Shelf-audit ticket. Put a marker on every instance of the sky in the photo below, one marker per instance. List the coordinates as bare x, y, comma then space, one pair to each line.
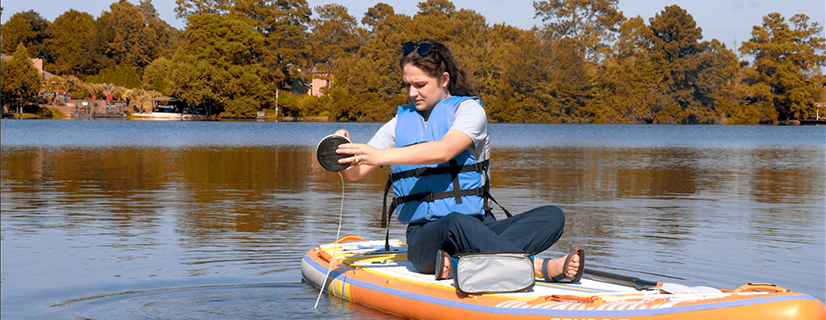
729, 21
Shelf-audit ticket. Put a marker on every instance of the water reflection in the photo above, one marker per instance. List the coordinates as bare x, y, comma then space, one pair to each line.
690, 213
216, 230
247, 301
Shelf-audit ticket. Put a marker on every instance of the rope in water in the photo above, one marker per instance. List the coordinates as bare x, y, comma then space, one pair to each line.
338, 233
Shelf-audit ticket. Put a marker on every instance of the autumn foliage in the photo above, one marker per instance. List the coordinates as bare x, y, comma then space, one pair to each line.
584, 63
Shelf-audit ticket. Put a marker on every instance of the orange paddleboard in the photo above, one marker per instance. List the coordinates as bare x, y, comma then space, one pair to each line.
364, 273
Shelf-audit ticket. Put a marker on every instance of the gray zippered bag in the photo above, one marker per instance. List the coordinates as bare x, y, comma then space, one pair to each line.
497, 272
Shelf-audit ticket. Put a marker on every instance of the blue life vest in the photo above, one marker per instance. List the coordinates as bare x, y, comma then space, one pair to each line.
427, 192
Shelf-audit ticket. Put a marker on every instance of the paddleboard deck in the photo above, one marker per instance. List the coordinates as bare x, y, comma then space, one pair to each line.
364, 273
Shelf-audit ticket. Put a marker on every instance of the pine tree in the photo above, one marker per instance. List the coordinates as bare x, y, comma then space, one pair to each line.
19, 79
786, 76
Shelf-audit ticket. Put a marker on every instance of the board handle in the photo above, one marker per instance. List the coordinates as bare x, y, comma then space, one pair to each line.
758, 287
349, 238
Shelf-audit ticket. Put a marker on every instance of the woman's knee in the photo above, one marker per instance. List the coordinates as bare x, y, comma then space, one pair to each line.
547, 213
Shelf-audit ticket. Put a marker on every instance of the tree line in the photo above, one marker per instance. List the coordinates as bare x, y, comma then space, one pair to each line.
586, 63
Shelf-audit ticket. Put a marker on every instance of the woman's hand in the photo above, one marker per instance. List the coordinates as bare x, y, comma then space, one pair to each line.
359, 151
363, 155
344, 133
365, 158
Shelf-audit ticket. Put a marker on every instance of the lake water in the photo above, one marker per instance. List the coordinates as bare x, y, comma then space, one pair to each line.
209, 220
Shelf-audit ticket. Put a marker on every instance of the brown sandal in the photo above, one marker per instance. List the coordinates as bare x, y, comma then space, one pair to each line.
562, 278
441, 256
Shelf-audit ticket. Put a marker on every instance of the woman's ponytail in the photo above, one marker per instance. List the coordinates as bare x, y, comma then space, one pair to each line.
463, 84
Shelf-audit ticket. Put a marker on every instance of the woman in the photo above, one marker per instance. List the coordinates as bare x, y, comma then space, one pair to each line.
444, 130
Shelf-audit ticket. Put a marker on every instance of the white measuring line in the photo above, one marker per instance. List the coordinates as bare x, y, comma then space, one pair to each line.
338, 233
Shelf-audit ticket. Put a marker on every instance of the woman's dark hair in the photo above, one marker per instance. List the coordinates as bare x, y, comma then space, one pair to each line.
438, 61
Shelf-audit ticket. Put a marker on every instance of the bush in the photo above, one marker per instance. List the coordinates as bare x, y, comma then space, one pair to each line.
314, 106
47, 112
31, 108
241, 107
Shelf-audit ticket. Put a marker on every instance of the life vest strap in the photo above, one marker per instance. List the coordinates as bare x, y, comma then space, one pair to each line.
451, 169
387, 214
489, 196
431, 196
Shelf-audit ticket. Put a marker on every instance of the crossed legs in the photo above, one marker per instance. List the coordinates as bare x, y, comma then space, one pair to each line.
533, 231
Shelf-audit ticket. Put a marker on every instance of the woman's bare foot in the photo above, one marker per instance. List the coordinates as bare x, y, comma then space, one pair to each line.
555, 266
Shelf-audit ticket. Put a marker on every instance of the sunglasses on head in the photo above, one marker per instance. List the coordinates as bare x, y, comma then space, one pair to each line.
424, 49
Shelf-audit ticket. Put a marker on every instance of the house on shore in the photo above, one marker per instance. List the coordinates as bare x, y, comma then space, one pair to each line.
38, 64
314, 86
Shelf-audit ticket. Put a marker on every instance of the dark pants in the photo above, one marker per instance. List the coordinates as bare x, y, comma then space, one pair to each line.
533, 231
